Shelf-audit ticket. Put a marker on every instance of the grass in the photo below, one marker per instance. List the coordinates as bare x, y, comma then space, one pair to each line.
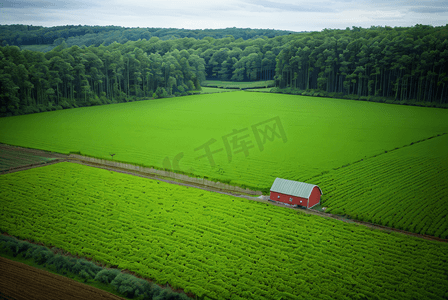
406, 188
264, 90
210, 90
237, 84
319, 136
215, 245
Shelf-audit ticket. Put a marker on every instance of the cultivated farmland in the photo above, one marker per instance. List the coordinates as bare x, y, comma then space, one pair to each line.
215, 245
10, 159
406, 188
249, 139
319, 134
39, 284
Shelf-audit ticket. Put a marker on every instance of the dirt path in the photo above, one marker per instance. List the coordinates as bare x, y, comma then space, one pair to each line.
263, 199
19, 281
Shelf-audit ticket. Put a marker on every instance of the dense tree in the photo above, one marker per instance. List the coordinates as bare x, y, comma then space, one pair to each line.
402, 64
71, 77
20, 35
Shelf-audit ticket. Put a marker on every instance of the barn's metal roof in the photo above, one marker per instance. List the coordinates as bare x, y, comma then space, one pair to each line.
294, 188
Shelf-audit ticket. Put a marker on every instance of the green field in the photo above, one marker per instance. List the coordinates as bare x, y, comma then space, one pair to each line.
214, 245
252, 138
265, 90
210, 90
406, 188
237, 84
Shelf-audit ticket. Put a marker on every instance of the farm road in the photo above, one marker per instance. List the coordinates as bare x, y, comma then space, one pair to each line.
264, 199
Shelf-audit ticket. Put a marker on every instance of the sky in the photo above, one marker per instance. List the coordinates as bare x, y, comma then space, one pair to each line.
298, 15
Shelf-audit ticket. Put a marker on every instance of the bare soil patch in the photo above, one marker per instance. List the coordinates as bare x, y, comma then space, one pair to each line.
20, 281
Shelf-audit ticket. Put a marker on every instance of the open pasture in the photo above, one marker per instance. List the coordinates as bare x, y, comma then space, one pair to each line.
237, 84
215, 245
242, 138
249, 139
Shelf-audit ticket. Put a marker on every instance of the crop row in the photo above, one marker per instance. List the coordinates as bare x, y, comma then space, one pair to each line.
11, 159
176, 134
405, 189
213, 245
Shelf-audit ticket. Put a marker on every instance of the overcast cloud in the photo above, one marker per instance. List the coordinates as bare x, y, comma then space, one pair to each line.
296, 15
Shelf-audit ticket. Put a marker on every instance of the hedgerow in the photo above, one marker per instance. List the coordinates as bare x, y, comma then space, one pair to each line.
126, 284
107, 275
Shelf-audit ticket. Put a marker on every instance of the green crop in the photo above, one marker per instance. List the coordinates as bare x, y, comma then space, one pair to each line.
319, 136
406, 188
238, 85
215, 245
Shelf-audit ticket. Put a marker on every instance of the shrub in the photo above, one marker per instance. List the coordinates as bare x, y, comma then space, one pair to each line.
105, 100
85, 275
170, 295
161, 92
23, 246
41, 255
85, 269
29, 252
336, 95
107, 275
58, 263
65, 104
30, 110
131, 286
42, 107
9, 248
94, 101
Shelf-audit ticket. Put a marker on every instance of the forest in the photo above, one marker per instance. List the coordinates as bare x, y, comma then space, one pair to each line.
20, 35
89, 65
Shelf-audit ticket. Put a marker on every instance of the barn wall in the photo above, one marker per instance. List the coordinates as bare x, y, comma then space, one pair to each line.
274, 196
314, 197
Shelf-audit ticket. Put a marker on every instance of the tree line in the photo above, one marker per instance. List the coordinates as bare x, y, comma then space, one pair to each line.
65, 77
399, 64
20, 35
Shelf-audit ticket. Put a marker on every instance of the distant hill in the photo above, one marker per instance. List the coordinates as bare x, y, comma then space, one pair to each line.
24, 35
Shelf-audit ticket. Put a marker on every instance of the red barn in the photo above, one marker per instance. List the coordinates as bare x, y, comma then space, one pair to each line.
295, 193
